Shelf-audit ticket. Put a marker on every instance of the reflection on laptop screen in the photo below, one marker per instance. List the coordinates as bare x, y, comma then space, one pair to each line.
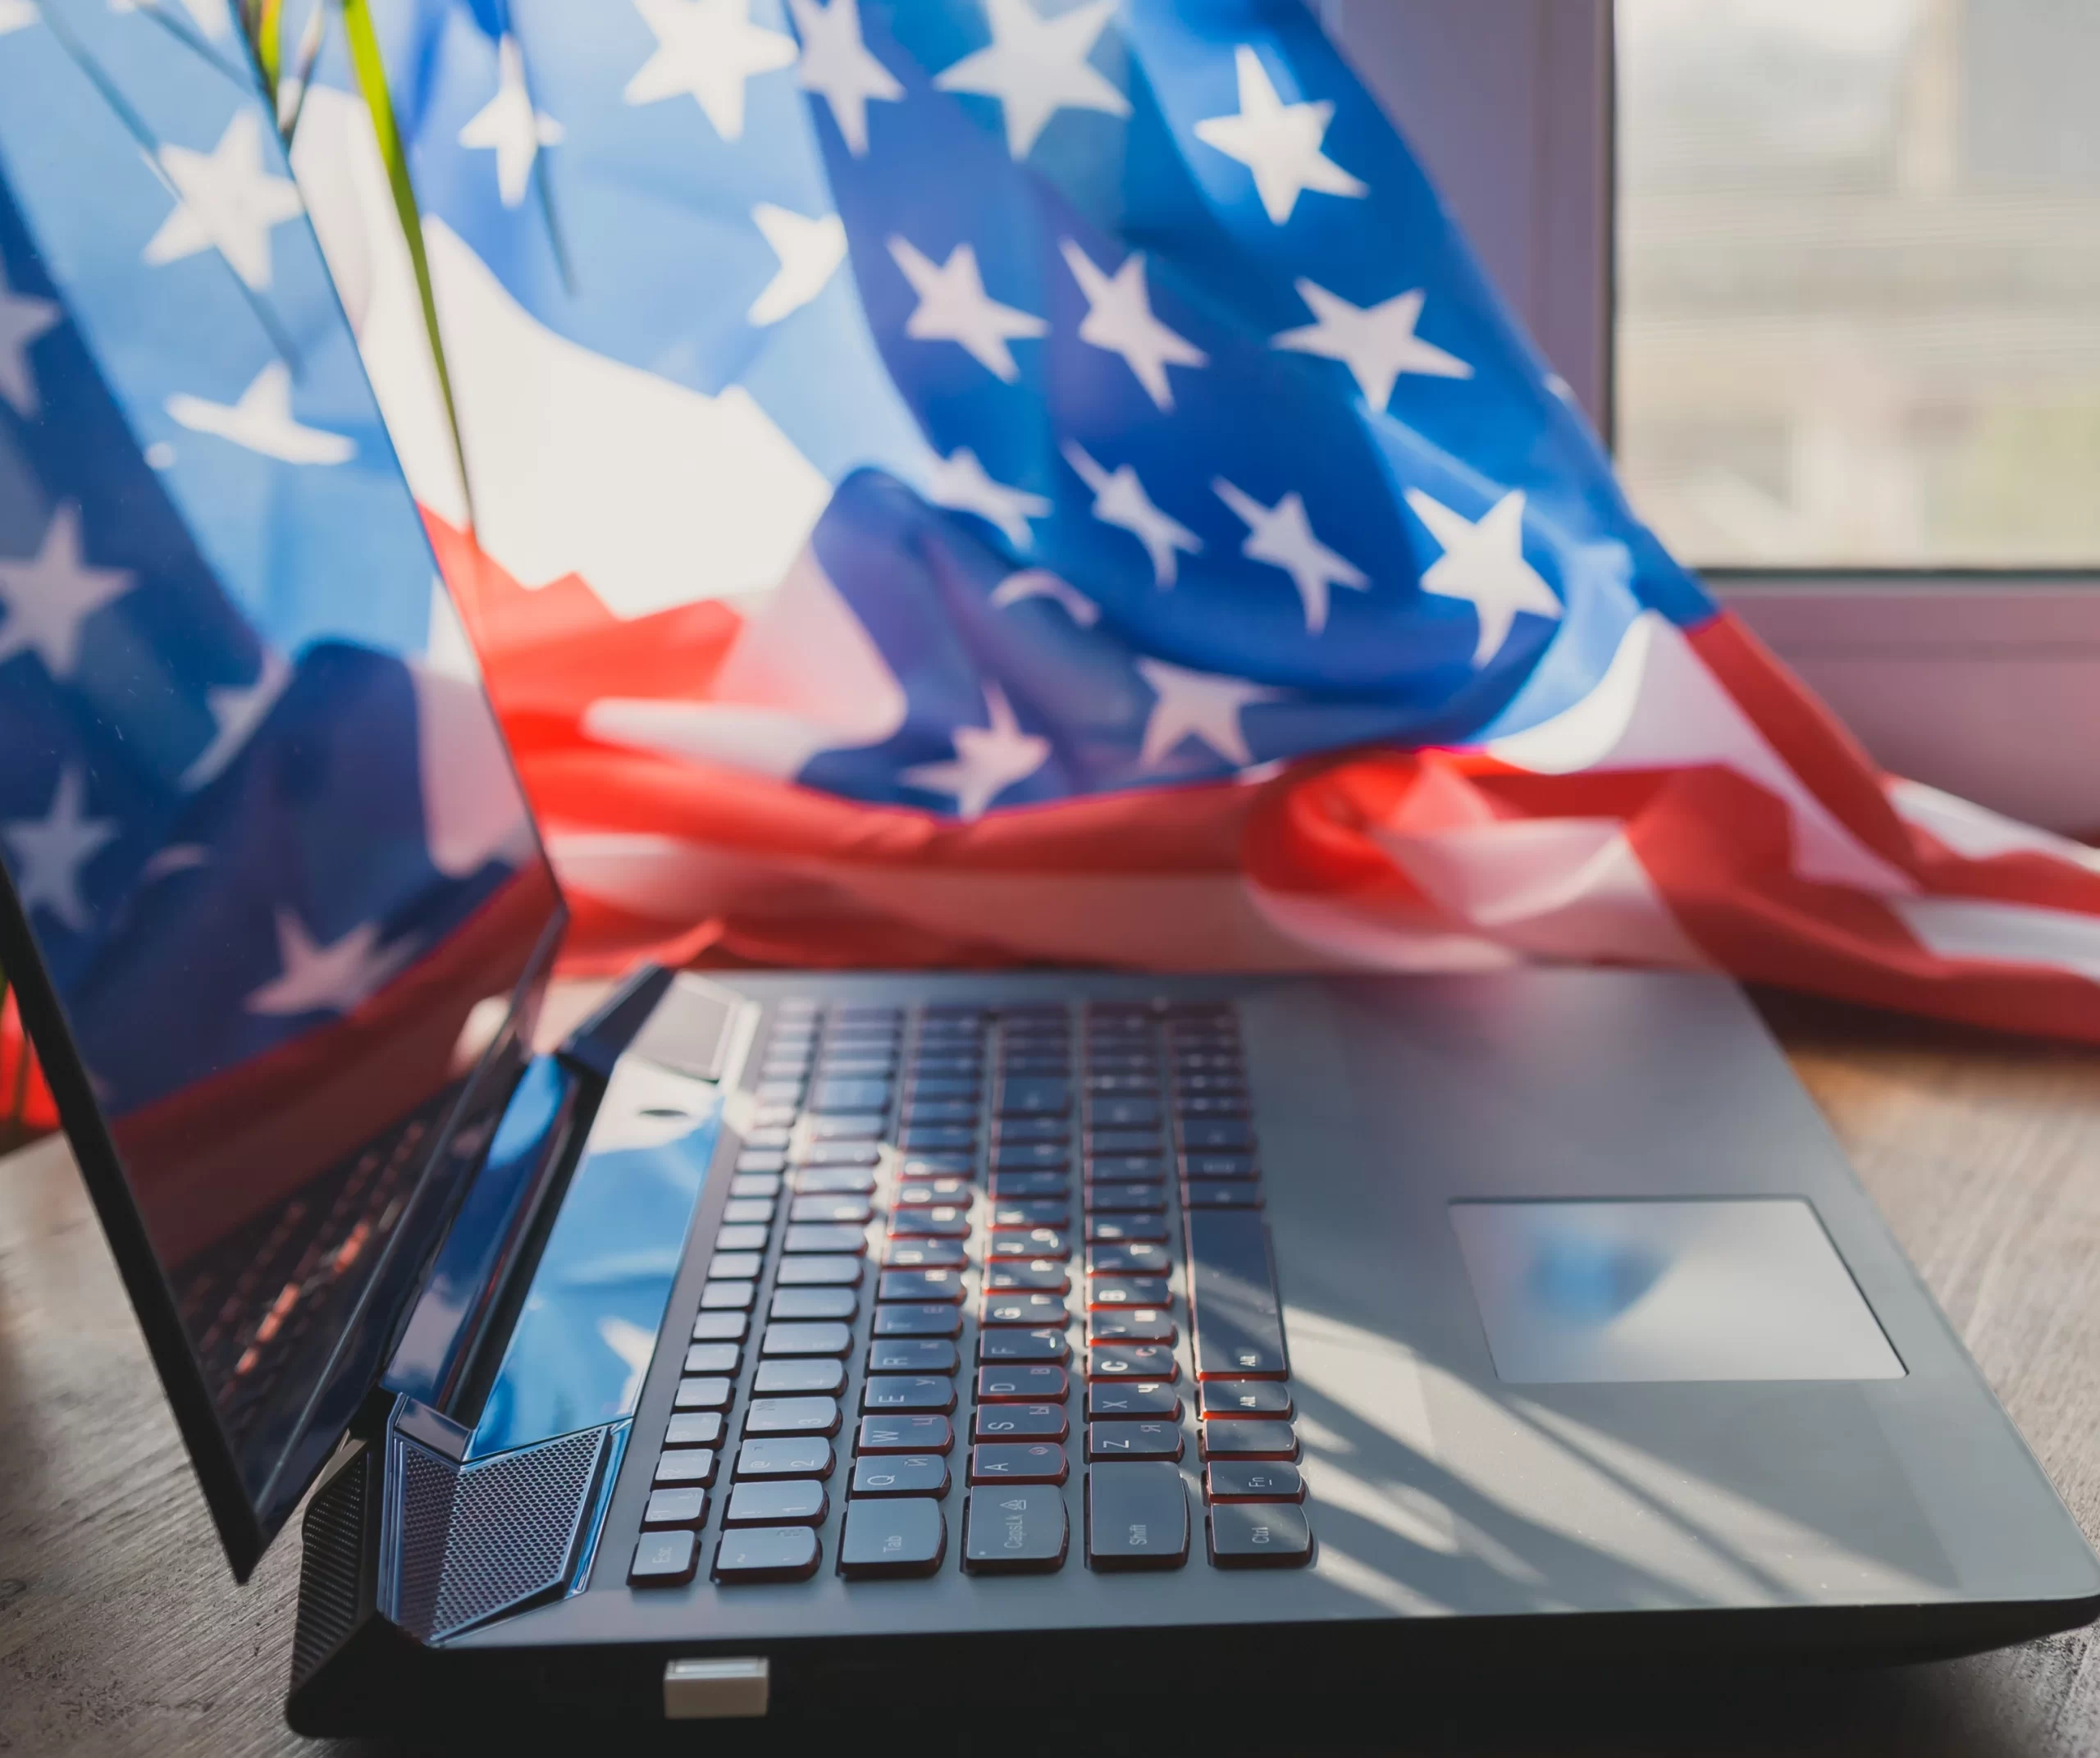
254, 806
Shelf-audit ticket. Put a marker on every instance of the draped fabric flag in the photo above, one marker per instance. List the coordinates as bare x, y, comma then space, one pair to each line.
976, 481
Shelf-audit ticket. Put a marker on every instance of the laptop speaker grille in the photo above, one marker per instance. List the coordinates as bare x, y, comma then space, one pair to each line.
333, 1540
482, 1539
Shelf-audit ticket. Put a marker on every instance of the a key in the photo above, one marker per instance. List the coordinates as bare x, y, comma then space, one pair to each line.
754, 1212
891, 1536
766, 1553
1232, 1309
1214, 1135
1252, 1480
1125, 1199
1218, 1193
941, 1284
1025, 1186
935, 1193
810, 1237
1110, 1168
1137, 1515
793, 1502
721, 1327
715, 1358
937, 1222
908, 1391
807, 1339
663, 1559
1249, 1440
1137, 1258
1259, 1535
735, 1265
754, 1184
806, 1377
1029, 1242
1131, 1361
911, 1355
783, 1456
910, 1474
1246, 1398
924, 1255
1014, 1530
839, 1153
1002, 1344
1021, 1383
1039, 1213
814, 1303
1140, 1324
711, 1393
904, 1434
689, 1467
930, 1319
1018, 1462
694, 1428
1108, 1293
669, 1507
838, 1271
1133, 1440
1040, 1309
792, 1415
742, 1239
1115, 1400
1020, 1422
846, 1211
1117, 1229
834, 1181
1037, 1275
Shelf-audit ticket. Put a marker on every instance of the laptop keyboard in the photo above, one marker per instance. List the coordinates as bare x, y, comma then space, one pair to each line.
999, 1279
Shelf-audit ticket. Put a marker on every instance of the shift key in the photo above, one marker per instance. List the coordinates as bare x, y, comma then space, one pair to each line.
1137, 1516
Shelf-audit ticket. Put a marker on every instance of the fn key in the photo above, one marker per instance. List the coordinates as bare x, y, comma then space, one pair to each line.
1137, 1516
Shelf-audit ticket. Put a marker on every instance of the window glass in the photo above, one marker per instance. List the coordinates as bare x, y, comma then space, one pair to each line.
1859, 280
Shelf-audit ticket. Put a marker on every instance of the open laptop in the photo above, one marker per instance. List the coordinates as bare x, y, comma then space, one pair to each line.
784, 1331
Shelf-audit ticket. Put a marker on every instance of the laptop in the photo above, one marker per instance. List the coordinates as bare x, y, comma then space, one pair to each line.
1042, 1337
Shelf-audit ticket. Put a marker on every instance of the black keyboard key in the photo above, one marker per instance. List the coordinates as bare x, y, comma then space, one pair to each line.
819, 1272
1219, 1193
911, 1355
694, 1428
772, 1116
1028, 1186
1034, 1097
1134, 1077
1109, 1168
721, 1327
938, 1222
872, 1062
918, 1111
1259, 1535
836, 1098
1136, 1324
669, 1508
1030, 1157
1252, 1480
906, 1474
779, 1092
1029, 1242
834, 1181
808, 1377
939, 1165
1037, 1275
1250, 1439
792, 1415
1246, 1398
1110, 1293
839, 1153
1133, 1440
767, 1553
847, 1211
1044, 1309
807, 1339
1119, 1230
944, 1285
814, 1303
904, 1434
1015, 1531
1020, 1422
783, 1456
1001, 1344
1131, 1361
908, 1391
1214, 1135
1118, 1143
1021, 1383
811, 1237
1018, 1462
860, 1126
1011, 1132
934, 1319
735, 1265
1107, 1112
888, 1537
754, 1184
922, 1088
794, 1502
768, 1138
1039, 1212
924, 1255
1192, 1105
1116, 1400
748, 1210
742, 1239
711, 1393
690, 1468
1137, 1515
663, 1559
761, 1160
1233, 1307
946, 1192
1198, 1081
1139, 1258
715, 1358
1126, 1199
936, 1138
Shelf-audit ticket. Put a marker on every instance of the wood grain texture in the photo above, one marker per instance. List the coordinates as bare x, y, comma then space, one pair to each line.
120, 1631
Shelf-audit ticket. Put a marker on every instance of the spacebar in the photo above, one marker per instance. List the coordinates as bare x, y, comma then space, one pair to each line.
1232, 1296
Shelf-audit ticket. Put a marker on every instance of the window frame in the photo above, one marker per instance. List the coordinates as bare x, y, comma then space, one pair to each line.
1984, 682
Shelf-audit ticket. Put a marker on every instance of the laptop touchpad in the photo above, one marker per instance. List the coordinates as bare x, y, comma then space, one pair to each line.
1666, 1290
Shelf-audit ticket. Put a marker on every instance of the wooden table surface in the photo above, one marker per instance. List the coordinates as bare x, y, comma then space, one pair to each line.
121, 1630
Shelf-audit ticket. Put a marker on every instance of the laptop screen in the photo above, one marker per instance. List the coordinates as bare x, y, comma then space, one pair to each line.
273, 894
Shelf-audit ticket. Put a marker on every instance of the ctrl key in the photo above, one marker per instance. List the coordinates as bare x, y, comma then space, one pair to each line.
663, 1559
764, 1553
1015, 1531
1259, 1535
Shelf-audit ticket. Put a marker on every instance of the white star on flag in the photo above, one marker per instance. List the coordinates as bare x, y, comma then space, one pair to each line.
1039, 582
50, 852
22, 320
1282, 537
1120, 500
1037, 67
332, 978
49, 595
960, 483
262, 421
1196, 705
988, 760
1119, 320
1483, 563
225, 199
510, 125
706, 50
953, 307
17, 14
838, 66
237, 710
1279, 142
1376, 343
810, 251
